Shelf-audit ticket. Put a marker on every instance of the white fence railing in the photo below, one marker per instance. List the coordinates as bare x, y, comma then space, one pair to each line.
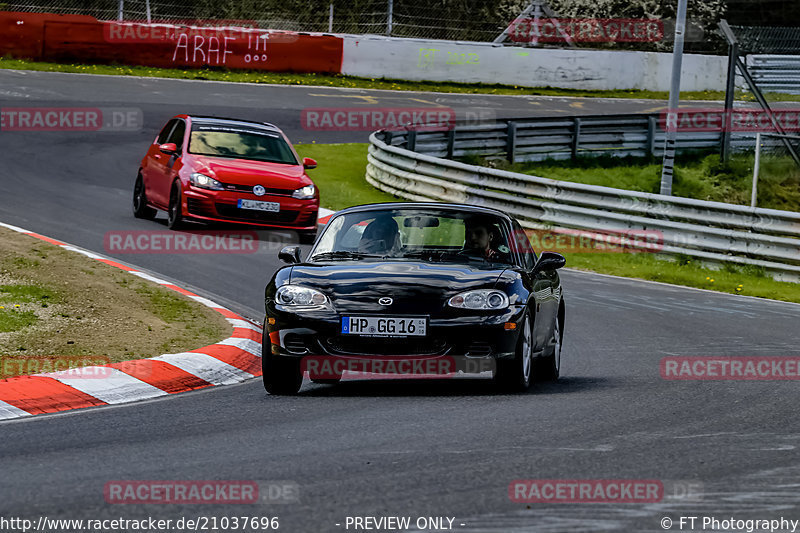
711, 231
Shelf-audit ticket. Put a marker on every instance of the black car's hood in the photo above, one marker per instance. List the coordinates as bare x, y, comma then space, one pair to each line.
414, 286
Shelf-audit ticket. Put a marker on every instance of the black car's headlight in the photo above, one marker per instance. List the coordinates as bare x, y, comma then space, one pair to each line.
205, 182
480, 299
298, 297
304, 193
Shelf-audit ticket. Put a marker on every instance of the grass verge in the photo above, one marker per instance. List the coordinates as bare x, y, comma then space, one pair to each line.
732, 279
59, 309
340, 174
698, 176
329, 80
340, 177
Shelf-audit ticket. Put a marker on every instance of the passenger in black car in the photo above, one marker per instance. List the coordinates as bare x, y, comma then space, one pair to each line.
381, 236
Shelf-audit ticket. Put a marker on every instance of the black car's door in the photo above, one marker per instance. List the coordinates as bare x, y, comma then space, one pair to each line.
545, 291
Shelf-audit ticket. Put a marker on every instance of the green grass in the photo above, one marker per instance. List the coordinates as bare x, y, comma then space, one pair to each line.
168, 307
340, 175
18, 294
14, 319
329, 80
696, 176
732, 279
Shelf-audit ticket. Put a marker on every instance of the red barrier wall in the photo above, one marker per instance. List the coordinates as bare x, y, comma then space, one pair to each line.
85, 39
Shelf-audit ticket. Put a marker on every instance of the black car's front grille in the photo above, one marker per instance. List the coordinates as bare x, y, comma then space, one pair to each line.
355, 345
233, 212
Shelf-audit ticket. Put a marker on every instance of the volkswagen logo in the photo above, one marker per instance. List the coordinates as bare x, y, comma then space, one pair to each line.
385, 300
258, 190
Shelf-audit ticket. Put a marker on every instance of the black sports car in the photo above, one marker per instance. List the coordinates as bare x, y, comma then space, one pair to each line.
415, 282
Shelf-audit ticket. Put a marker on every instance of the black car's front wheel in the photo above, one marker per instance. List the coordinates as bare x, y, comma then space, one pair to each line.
282, 376
551, 365
140, 207
516, 375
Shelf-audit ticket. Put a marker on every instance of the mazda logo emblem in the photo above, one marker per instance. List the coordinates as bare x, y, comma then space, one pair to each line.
385, 301
258, 190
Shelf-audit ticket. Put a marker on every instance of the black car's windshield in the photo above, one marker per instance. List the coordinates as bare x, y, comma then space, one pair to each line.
240, 143
430, 235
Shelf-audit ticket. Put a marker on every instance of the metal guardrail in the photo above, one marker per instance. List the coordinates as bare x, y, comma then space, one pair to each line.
775, 73
533, 139
411, 165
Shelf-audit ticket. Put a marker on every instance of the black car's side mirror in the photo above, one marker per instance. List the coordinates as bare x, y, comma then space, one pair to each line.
549, 261
290, 254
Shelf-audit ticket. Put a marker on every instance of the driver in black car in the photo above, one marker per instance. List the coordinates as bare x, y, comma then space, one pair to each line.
482, 238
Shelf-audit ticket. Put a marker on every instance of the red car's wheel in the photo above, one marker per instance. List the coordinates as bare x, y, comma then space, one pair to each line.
175, 214
140, 207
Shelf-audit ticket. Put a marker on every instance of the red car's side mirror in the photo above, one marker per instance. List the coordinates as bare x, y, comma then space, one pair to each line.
168, 148
309, 163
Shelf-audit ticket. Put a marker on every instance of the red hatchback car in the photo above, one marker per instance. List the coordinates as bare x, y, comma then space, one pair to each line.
225, 170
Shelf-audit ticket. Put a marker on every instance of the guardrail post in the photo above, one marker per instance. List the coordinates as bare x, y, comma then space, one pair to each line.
411, 140
451, 142
576, 136
651, 135
511, 141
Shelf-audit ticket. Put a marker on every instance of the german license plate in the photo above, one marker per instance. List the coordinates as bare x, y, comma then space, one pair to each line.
384, 326
272, 207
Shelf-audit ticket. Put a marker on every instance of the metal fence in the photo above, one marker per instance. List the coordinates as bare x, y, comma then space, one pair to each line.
775, 73
461, 20
534, 139
481, 20
402, 165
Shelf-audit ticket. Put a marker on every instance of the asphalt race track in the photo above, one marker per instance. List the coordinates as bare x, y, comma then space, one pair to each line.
367, 448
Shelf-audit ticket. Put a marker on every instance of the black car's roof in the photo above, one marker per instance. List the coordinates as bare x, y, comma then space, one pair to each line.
219, 121
418, 205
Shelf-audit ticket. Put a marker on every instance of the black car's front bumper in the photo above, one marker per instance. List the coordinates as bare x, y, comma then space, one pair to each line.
318, 333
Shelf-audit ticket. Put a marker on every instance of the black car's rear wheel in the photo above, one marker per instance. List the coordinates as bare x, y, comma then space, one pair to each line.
174, 215
140, 207
282, 376
516, 375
